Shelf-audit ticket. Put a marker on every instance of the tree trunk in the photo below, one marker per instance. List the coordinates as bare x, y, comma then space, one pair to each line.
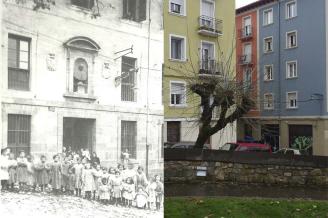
203, 136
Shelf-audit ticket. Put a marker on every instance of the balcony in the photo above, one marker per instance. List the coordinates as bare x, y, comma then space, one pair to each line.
209, 68
246, 60
209, 26
246, 33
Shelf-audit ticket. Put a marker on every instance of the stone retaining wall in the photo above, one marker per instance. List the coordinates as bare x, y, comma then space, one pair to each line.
246, 168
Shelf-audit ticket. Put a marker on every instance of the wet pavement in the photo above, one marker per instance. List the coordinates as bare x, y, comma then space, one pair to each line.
227, 190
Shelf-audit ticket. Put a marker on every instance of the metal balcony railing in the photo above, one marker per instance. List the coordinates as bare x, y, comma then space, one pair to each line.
246, 32
246, 59
210, 25
209, 67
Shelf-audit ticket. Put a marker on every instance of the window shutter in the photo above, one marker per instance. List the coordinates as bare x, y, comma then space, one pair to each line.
142, 10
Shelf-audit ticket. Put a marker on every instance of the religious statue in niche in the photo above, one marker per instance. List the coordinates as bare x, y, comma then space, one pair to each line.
51, 62
80, 76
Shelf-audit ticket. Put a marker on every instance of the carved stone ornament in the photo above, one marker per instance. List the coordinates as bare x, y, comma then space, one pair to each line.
51, 62
106, 70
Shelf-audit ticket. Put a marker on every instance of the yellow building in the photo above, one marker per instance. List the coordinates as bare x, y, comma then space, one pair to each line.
197, 34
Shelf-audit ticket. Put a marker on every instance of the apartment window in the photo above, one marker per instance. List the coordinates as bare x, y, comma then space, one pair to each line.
247, 31
268, 72
268, 45
19, 133
292, 100
135, 10
178, 93
291, 39
129, 138
291, 10
268, 17
207, 56
178, 48
268, 101
247, 79
247, 53
18, 63
87, 4
291, 69
177, 7
128, 81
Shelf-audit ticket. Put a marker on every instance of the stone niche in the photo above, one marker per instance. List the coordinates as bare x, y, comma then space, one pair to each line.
81, 53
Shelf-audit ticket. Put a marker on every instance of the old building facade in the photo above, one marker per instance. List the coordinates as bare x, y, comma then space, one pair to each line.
70, 77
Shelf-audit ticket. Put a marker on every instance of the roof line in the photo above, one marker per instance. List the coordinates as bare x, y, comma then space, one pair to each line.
253, 5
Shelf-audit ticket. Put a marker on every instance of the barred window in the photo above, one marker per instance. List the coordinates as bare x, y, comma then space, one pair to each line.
135, 10
87, 4
18, 63
129, 138
19, 133
128, 79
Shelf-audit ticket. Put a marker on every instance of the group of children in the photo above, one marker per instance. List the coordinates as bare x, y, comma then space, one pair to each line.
83, 176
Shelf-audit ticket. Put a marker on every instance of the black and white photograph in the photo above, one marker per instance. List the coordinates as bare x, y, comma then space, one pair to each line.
81, 108
164, 108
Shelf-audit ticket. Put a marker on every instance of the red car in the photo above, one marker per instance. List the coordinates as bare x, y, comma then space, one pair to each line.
246, 146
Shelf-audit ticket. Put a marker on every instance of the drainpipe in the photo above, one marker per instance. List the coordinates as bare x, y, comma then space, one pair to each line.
2, 144
148, 72
279, 73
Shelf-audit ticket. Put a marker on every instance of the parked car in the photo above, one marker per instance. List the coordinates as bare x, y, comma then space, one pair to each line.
247, 147
188, 145
288, 151
168, 144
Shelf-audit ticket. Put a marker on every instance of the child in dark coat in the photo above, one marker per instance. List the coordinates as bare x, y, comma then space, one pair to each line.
56, 174
78, 168
159, 192
42, 176
65, 175
12, 171
117, 187
22, 176
71, 178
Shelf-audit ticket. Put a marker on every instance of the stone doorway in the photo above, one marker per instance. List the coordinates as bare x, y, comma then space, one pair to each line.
79, 133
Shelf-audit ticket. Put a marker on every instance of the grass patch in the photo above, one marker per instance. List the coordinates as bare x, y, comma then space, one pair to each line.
243, 208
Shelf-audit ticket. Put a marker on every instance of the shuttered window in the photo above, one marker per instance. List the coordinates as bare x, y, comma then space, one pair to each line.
18, 63
135, 10
178, 94
19, 133
129, 138
128, 79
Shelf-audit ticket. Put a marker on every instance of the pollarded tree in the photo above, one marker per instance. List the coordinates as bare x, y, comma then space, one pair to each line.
225, 96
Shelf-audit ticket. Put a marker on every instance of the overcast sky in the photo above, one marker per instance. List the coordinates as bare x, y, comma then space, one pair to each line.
240, 3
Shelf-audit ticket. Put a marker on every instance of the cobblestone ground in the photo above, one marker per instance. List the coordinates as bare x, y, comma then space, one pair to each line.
41, 205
